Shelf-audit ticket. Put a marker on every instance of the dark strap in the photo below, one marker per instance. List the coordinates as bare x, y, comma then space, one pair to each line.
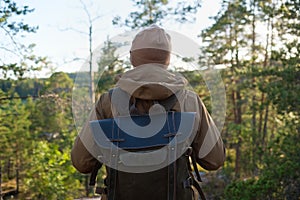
113, 170
172, 178
200, 191
112, 183
169, 102
94, 173
171, 185
191, 181
193, 156
196, 181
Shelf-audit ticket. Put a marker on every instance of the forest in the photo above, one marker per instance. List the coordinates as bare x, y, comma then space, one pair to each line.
258, 42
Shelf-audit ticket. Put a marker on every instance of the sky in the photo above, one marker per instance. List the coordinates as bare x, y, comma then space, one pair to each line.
63, 27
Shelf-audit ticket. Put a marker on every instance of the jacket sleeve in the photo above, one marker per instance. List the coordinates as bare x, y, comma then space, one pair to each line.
81, 158
208, 144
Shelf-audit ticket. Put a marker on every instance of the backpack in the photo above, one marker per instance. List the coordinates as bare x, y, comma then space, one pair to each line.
175, 181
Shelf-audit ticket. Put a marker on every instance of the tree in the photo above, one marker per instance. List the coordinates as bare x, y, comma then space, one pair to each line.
269, 86
156, 11
91, 19
110, 66
284, 87
15, 134
55, 101
16, 58
49, 172
226, 44
279, 179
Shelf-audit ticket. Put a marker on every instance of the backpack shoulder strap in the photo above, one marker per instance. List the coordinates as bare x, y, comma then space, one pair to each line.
93, 177
196, 180
169, 102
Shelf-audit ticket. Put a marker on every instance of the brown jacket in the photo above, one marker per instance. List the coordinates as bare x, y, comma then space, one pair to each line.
154, 83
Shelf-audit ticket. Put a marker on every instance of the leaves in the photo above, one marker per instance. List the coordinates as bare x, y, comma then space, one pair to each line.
262, 83
50, 173
156, 12
12, 27
262, 86
38, 134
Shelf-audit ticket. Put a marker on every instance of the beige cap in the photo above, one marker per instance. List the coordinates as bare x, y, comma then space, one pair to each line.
152, 37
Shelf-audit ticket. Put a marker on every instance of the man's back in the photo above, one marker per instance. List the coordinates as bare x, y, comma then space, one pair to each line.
149, 82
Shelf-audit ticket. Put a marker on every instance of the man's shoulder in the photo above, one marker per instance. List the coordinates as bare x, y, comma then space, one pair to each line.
187, 93
103, 106
104, 96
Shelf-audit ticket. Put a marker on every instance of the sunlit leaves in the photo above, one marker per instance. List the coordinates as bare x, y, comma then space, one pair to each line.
49, 174
16, 58
156, 11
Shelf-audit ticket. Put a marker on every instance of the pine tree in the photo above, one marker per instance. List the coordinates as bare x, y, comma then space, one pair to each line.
157, 11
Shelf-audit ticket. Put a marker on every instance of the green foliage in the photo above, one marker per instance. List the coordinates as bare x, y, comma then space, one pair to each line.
9, 9
156, 11
38, 133
23, 88
50, 174
52, 116
284, 88
262, 87
14, 129
261, 131
280, 177
225, 38
110, 66
12, 27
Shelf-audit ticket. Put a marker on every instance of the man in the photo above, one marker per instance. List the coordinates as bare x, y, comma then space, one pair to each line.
148, 82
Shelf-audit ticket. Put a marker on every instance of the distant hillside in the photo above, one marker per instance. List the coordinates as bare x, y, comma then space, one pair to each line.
27, 87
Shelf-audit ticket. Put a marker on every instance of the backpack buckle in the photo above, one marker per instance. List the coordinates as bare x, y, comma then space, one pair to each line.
189, 151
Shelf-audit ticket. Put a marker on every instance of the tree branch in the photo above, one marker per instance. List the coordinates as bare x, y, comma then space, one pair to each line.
75, 30
13, 40
8, 50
